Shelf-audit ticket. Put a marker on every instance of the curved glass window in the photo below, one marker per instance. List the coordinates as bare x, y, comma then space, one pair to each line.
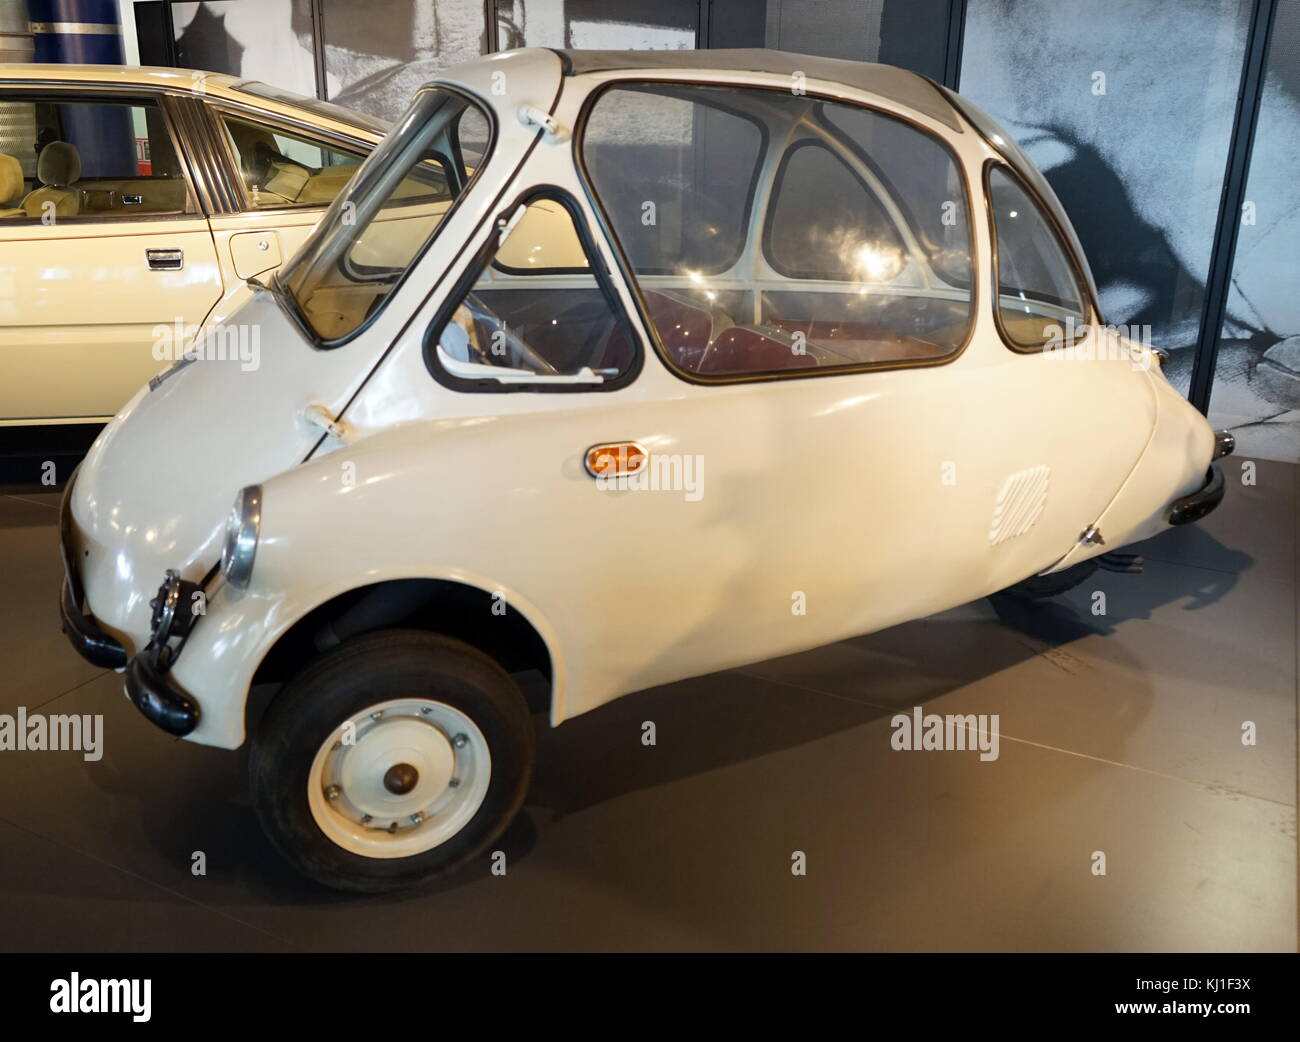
801, 233
377, 227
825, 223
1039, 299
676, 170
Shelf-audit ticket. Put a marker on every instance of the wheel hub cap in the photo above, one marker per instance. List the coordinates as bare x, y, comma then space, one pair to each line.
399, 778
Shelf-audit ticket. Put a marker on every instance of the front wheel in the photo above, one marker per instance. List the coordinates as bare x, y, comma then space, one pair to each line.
1037, 587
396, 756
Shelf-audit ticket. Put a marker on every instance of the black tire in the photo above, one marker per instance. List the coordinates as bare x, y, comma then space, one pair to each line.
1037, 587
365, 671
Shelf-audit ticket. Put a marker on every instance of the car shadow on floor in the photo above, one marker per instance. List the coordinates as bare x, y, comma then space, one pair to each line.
710, 722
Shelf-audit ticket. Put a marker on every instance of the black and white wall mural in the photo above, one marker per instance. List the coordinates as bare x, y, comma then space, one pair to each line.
1129, 112
266, 40
1256, 388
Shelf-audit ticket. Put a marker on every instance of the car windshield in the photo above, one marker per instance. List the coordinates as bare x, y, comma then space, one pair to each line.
380, 224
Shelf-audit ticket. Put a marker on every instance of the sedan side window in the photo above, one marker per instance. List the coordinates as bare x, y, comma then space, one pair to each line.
537, 312
1039, 298
280, 169
813, 235
67, 157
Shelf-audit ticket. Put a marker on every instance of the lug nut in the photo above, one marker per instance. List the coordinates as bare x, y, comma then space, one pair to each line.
376, 715
366, 819
417, 817
459, 741
333, 792
454, 783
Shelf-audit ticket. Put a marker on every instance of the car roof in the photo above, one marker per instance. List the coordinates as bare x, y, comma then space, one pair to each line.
194, 81
133, 75
888, 81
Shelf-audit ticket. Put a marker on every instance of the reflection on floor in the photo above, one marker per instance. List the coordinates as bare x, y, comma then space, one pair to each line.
1120, 733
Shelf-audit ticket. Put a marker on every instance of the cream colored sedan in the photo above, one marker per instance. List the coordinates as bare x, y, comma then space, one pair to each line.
134, 205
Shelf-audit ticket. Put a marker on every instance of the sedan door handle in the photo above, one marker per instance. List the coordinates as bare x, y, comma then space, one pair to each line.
165, 260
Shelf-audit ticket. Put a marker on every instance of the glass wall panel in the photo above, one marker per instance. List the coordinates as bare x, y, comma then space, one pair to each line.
267, 40
1130, 117
909, 33
1256, 391
379, 53
598, 24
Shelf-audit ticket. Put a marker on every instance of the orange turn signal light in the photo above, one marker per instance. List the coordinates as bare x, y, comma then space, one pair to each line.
616, 459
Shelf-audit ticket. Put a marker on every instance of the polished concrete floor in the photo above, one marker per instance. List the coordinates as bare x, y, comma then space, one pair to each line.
1119, 733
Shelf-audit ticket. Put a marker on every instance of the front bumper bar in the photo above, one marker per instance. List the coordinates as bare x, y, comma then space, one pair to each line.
147, 687
1194, 507
84, 634
146, 684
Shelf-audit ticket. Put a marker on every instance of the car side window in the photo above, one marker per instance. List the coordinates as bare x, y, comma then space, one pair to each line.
1039, 295
819, 199
67, 157
848, 249
536, 312
280, 169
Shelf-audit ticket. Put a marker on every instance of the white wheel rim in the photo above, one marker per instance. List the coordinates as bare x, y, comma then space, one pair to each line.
400, 778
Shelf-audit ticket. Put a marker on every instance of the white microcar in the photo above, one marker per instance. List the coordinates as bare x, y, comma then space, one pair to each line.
623, 367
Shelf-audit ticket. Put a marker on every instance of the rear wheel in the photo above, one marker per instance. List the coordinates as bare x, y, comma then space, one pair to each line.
395, 757
1038, 586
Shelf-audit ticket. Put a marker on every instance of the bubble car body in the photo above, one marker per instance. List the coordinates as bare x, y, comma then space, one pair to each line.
619, 368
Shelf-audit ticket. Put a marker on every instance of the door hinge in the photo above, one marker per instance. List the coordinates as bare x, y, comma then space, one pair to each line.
318, 416
532, 116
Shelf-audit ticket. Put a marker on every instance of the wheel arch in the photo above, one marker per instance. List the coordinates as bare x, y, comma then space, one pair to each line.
486, 618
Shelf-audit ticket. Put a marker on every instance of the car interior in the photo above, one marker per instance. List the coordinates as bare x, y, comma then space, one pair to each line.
281, 170
88, 159
788, 247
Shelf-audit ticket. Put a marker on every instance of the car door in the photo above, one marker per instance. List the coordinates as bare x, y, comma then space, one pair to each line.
106, 260
280, 180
